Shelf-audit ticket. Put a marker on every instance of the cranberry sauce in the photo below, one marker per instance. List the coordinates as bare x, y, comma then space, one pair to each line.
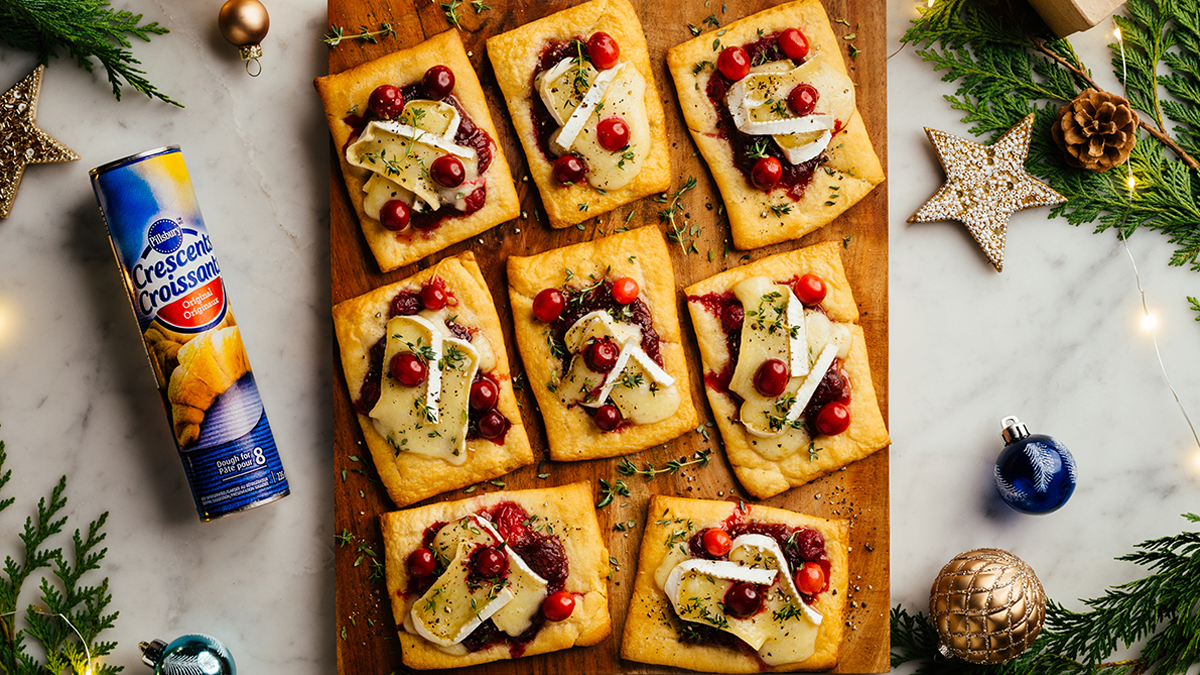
543, 123
598, 296
796, 177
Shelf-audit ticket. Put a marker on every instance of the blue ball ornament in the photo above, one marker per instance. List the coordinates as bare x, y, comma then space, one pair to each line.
194, 654
1035, 474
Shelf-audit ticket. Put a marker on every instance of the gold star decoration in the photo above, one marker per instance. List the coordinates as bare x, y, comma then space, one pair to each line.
21, 141
985, 184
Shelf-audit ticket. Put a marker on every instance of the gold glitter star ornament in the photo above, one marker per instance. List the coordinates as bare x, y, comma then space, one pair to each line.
985, 184
21, 141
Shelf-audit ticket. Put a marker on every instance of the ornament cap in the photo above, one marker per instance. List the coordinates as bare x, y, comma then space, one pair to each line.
1013, 429
152, 652
248, 52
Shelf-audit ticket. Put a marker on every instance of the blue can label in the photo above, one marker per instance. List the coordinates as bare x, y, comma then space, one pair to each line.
191, 335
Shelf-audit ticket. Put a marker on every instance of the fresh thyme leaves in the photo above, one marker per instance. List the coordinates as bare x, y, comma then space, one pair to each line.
711, 20
703, 429
581, 79
337, 34
678, 232
626, 156
628, 468
701, 65
846, 241
759, 149
479, 6
812, 451
450, 9
608, 492
695, 30
631, 380
781, 210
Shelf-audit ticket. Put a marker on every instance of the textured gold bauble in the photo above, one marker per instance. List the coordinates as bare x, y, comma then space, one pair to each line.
244, 23
22, 142
987, 606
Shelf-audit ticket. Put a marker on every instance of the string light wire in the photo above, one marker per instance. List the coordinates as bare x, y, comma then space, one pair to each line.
86, 651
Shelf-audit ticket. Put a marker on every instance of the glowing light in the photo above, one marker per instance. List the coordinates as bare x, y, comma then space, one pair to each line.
1149, 321
1117, 33
1131, 181
930, 3
8, 323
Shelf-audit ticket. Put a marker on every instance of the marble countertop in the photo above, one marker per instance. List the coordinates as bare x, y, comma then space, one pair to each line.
1056, 340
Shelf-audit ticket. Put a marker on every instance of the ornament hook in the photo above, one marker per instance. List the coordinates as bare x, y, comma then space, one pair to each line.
257, 71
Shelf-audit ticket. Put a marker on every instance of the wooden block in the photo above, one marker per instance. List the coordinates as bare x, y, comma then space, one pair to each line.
1071, 16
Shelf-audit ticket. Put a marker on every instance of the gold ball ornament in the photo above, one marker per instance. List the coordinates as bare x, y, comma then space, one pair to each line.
244, 23
987, 606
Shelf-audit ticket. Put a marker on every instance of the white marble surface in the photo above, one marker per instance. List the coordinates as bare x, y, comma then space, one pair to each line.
1055, 339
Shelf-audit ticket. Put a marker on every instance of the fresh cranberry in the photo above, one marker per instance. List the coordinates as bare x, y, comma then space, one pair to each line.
484, 394
734, 63
810, 579
395, 214
558, 606
607, 417
809, 289
803, 98
448, 171
509, 519
732, 317
438, 81
613, 133
548, 304
625, 290
601, 355
772, 378
833, 419
490, 562
603, 50
386, 101
743, 600
766, 173
433, 295
717, 542
408, 369
492, 425
569, 169
810, 544
421, 563
794, 44
406, 303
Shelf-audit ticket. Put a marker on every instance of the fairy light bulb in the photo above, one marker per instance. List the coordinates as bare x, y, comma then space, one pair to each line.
1117, 33
1149, 321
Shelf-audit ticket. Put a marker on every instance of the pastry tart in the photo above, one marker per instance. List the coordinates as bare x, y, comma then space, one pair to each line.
772, 109
785, 368
418, 150
599, 337
728, 587
582, 97
428, 375
498, 576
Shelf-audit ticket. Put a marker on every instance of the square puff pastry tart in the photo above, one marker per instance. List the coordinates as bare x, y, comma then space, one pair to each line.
345, 96
642, 256
516, 57
565, 513
849, 170
761, 464
362, 323
652, 630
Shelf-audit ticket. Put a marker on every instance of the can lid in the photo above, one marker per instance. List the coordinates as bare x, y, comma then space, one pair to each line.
152, 652
118, 163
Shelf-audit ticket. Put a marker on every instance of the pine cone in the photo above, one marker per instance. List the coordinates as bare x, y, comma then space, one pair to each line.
1096, 131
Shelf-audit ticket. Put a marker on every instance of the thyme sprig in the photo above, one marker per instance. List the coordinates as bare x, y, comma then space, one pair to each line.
628, 468
679, 233
337, 34
609, 491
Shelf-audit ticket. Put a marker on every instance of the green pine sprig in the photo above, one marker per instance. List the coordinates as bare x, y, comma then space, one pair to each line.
1006, 66
1161, 612
86, 30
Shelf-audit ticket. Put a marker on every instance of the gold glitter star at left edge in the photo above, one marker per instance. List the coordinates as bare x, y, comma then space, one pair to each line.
21, 141
985, 184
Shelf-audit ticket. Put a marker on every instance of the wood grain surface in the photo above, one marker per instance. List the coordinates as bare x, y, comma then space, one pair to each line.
365, 631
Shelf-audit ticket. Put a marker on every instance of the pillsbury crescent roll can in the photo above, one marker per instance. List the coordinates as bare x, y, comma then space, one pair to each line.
194, 344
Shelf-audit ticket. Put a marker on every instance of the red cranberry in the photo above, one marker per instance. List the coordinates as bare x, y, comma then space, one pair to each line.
490, 562
433, 295
833, 419
394, 215
421, 563
625, 290
603, 50
484, 394
803, 99
448, 171
601, 355
548, 304
408, 369
558, 605
810, 544
734, 63
810, 579
794, 44
509, 519
809, 289
766, 173
607, 417
438, 81
717, 542
743, 600
492, 425
732, 317
569, 169
613, 133
772, 378
406, 303
386, 101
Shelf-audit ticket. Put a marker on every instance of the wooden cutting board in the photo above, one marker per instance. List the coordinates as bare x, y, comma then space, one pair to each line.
365, 631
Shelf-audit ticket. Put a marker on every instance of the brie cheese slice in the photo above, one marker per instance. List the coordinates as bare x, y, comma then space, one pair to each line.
564, 138
451, 609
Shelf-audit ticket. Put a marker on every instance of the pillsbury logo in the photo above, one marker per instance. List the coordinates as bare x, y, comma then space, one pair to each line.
165, 236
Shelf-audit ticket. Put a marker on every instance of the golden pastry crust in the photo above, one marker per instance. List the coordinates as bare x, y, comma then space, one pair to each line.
351, 89
649, 636
569, 511
760, 476
515, 56
640, 254
360, 322
851, 170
